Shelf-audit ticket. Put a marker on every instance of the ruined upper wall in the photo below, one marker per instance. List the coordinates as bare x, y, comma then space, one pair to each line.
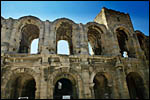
18, 34
144, 42
112, 19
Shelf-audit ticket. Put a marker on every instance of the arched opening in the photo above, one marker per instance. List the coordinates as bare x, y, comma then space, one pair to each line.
101, 89
28, 33
64, 89
22, 86
34, 46
144, 43
135, 86
63, 47
64, 32
122, 40
90, 49
94, 38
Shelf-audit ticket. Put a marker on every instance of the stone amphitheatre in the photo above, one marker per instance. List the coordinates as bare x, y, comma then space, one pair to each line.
106, 74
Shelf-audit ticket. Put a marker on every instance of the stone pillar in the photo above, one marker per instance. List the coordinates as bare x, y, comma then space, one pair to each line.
113, 45
121, 80
52, 40
92, 90
51, 90
85, 76
45, 49
14, 37
80, 89
43, 86
138, 51
76, 39
83, 40
37, 92
41, 37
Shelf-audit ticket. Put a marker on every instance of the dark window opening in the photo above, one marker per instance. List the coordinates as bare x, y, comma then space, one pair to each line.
23, 86
101, 89
118, 19
64, 87
122, 40
136, 86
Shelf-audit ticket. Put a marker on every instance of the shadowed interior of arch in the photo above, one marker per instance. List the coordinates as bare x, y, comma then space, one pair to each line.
122, 41
136, 86
28, 33
94, 38
101, 89
64, 87
22, 85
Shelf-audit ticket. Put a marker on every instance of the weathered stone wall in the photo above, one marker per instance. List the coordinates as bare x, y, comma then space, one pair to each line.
82, 69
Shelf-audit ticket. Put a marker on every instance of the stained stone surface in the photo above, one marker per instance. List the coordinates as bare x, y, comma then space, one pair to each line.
104, 75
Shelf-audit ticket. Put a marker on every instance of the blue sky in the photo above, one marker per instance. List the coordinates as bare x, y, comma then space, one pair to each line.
78, 11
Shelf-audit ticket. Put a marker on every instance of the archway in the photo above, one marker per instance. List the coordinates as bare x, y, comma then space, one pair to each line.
94, 38
101, 89
64, 32
64, 88
22, 85
28, 33
135, 86
122, 40
144, 43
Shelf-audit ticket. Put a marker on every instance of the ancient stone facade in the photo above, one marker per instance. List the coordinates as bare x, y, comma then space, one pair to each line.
48, 75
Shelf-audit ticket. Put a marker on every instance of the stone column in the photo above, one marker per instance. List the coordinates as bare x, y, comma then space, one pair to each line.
52, 40
14, 37
41, 37
138, 50
37, 92
43, 86
83, 40
121, 80
80, 89
76, 39
45, 38
113, 45
85, 76
92, 90
51, 90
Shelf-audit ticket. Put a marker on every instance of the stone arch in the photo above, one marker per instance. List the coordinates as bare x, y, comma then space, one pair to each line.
69, 74
136, 86
14, 74
123, 34
102, 81
123, 27
64, 30
30, 28
57, 22
143, 42
95, 32
101, 27
102, 72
